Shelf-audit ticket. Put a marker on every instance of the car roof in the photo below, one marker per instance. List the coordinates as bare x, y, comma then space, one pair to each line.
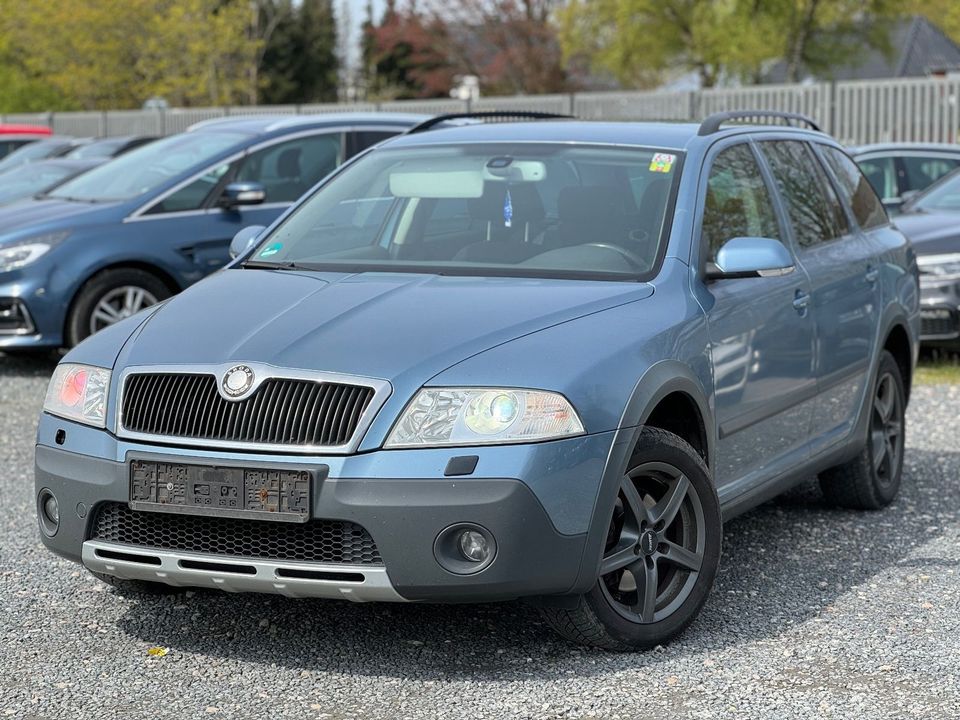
666, 135
903, 146
266, 124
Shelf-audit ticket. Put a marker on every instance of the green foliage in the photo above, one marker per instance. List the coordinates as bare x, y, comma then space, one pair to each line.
641, 41
105, 54
299, 61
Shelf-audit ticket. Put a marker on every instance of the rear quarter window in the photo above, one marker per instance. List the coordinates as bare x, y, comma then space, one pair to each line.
856, 189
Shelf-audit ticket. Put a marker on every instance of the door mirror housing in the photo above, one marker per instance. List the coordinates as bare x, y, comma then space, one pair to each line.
242, 193
244, 240
751, 257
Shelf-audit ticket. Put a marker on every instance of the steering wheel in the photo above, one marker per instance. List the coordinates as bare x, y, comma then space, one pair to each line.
636, 261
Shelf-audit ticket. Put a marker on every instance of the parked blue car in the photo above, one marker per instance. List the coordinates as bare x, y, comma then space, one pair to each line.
503, 360
146, 225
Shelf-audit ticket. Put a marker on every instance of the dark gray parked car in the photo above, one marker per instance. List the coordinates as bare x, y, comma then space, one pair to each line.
932, 222
540, 359
898, 171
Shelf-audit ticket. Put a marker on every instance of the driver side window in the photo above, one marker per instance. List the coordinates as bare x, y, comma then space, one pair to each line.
738, 203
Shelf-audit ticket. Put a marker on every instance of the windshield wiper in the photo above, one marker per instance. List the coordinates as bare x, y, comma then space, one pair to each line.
263, 265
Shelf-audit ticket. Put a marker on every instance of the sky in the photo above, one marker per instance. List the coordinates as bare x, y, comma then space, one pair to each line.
358, 12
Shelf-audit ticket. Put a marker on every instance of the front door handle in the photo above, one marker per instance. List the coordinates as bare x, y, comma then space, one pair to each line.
872, 274
800, 301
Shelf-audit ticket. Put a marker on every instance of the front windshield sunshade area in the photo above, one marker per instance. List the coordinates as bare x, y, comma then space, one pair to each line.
142, 170
518, 209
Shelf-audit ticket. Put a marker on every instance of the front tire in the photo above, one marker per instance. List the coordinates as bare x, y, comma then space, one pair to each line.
109, 297
871, 480
661, 555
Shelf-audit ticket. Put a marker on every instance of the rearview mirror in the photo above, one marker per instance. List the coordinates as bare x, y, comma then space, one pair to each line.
242, 193
751, 257
244, 240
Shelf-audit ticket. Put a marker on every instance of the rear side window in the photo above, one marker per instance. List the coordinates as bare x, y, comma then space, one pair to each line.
737, 203
921, 172
867, 208
813, 207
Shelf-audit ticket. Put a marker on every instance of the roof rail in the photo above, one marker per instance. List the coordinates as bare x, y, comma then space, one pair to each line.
713, 122
502, 115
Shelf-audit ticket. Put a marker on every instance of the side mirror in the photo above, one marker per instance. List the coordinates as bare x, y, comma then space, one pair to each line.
751, 257
244, 240
242, 193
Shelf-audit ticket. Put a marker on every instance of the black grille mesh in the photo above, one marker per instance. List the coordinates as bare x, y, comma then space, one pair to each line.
945, 326
320, 541
280, 412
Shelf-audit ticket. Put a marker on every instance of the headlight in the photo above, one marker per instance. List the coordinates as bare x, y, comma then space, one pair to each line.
941, 267
24, 252
79, 392
483, 416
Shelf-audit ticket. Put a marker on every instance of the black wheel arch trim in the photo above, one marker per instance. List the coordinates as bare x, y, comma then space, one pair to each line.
657, 382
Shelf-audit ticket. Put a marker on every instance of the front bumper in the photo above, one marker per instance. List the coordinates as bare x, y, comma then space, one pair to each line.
939, 312
29, 316
536, 500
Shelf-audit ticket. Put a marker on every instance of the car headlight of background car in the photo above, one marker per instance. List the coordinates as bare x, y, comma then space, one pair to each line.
79, 392
940, 267
483, 416
23, 252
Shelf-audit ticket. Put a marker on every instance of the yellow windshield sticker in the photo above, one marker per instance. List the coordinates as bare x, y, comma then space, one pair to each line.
662, 162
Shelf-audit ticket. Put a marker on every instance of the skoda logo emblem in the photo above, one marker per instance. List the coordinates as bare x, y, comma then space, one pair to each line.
237, 381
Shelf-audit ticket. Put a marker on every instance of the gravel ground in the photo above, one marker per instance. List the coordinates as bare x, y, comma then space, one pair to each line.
816, 613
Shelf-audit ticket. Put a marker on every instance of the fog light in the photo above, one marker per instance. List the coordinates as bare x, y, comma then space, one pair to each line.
48, 513
465, 548
473, 546
51, 510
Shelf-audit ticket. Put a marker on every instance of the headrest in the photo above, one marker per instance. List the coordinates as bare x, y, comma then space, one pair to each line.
288, 164
581, 203
524, 199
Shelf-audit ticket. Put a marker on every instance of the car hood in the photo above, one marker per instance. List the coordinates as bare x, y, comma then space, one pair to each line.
394, 326
931, 233
46, 214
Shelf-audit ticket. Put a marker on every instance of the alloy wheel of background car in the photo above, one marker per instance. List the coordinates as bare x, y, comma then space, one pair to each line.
111, 296
661, 553
872, 479
118, 305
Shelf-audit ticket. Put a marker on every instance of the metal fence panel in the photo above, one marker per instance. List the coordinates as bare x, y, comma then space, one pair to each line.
633, 106
856, 112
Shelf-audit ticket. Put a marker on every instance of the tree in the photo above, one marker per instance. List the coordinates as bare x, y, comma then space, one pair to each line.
511, 45
404, 56
640, 40
945, 14
300, 61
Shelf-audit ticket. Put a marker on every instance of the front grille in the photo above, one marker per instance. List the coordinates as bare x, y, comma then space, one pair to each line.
282, 411
319, 541
948, 325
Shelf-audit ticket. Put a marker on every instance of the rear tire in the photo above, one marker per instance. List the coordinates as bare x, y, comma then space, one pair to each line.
111, 296
135, 588
661, 556
872, 479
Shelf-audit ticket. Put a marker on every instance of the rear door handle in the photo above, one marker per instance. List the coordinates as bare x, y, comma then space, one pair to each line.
800, 301
872, 274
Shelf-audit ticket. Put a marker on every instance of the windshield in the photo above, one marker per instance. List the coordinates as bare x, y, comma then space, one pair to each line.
944, 195
98, 148
516, 209
142, 170
32, 179
34, 151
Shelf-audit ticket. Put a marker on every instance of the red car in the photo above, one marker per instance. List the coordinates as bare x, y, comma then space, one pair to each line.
13, 136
